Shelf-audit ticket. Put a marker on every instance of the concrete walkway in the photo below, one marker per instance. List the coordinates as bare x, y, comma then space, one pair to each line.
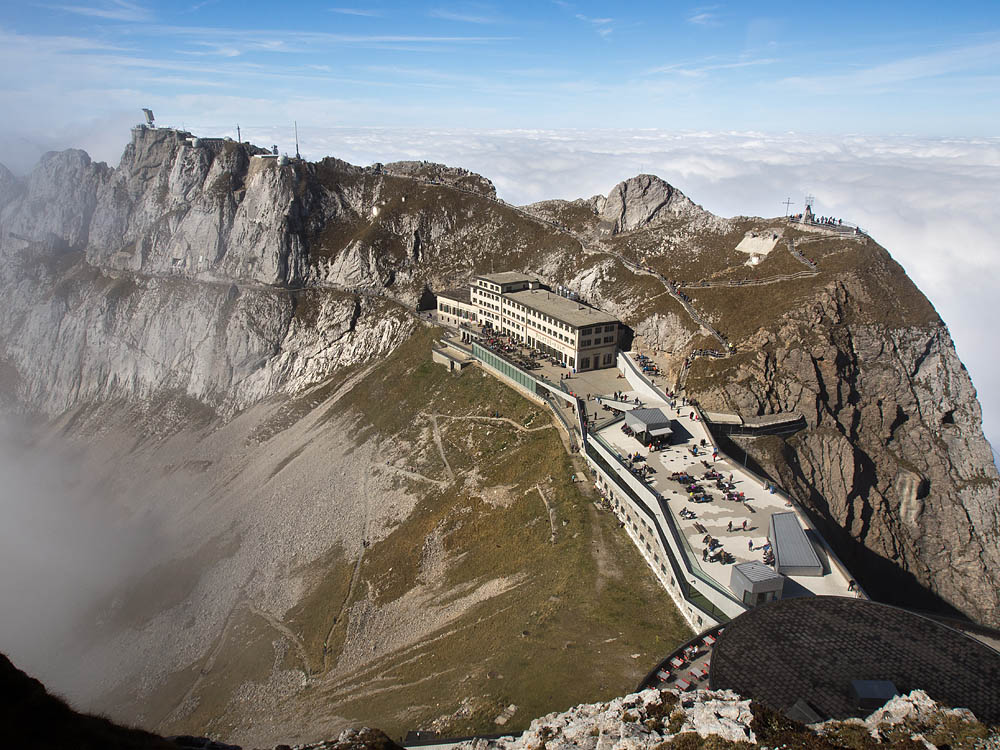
716, 515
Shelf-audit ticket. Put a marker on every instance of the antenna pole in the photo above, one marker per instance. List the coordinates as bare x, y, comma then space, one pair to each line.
239, 138
788, 203
297, 140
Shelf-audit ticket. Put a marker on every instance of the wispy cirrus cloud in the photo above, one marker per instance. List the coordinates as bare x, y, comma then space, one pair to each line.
704, 67
470, 14
301, 40
602, 26
704, 16
874, 77
365, 12
115, 10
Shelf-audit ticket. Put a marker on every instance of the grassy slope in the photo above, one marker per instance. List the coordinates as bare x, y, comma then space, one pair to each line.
584, 625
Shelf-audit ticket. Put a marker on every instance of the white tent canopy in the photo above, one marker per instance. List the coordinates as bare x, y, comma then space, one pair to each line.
653, 422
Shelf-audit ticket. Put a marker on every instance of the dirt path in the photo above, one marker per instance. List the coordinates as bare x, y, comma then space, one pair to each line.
511, 422
415, 475
440, 446
749, 282
800, 257
548, 509
355, 574
278, 625
176, 712
209, 663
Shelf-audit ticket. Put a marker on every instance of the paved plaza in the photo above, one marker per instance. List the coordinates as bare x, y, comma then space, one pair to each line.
715, 516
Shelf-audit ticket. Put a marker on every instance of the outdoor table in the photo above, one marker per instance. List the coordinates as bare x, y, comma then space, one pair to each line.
709, 640
683, 684
663, 675
677, 662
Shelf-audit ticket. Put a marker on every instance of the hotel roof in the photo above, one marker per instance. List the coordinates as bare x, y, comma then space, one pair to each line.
568, 311
462, 294
505, 277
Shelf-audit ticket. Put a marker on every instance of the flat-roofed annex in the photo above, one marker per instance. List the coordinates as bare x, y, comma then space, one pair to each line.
574, 314
460, 294
505, 277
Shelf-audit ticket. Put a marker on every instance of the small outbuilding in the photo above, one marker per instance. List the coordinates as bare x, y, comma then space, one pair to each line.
872, 694
794, 554
654, 423
754, 583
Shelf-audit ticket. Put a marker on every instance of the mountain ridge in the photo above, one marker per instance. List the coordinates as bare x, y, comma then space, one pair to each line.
203, 292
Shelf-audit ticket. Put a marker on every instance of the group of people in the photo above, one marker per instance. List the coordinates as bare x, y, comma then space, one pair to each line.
648, 366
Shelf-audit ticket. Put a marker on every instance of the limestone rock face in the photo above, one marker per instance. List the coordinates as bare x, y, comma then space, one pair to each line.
175, 207
893, 462
441, 173
644, 200
637, 721
168, 274
9, 186
57, 204
664, 332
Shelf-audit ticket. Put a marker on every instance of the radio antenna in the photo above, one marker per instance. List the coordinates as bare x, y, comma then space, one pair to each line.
297, 140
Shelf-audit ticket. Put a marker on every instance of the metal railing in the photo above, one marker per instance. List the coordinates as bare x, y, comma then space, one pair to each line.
720, 600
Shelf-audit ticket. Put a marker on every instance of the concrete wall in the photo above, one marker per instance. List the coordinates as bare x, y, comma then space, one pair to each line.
654, 507
639, 383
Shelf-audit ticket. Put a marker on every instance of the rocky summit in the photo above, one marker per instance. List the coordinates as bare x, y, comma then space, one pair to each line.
231, 347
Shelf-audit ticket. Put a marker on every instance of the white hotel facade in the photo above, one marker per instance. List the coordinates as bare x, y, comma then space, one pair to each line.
582, 337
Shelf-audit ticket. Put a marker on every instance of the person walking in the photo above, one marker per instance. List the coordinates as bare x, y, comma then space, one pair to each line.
730, 526
750, 544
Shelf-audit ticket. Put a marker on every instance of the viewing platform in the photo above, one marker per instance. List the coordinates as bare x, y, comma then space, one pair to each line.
716, 517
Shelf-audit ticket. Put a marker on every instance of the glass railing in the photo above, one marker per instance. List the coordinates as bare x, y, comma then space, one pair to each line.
690, 593
679, 538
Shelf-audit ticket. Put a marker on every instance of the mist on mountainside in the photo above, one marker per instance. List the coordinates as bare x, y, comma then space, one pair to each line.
65, 544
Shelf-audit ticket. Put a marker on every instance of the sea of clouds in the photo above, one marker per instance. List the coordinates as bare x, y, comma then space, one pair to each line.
929, 201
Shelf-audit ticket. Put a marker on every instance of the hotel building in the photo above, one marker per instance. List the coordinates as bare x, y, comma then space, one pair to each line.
581, 336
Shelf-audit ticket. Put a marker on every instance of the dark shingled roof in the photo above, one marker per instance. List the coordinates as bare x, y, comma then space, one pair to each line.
812, 648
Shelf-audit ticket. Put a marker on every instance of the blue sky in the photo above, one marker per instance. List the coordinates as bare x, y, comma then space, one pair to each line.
923, 68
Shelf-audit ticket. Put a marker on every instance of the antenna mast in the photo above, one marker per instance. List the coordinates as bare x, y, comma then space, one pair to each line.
239, 138
788, 203
297, 140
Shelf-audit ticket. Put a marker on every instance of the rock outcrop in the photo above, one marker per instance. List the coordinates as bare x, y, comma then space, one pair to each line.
723, 719
644, 201
893, 463
443, 174
641, 720
10, 186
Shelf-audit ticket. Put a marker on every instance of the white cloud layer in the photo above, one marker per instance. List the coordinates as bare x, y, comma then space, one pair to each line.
929, 201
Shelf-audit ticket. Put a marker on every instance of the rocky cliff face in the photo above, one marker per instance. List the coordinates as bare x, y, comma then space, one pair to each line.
893, 461
443, 174
644, 201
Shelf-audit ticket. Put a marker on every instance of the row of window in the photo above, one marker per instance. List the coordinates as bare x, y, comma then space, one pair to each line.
623, 512
458, 312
